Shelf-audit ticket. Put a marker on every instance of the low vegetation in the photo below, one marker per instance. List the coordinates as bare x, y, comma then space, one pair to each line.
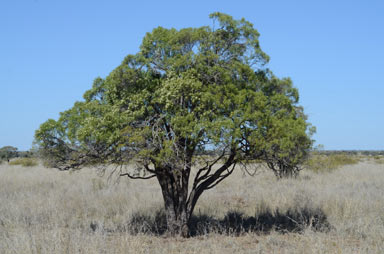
47, 211
379, 159
9, 153
26, 162
326, 162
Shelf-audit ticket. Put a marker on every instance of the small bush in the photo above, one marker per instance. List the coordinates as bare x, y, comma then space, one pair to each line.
378, 159
325, 163
26, 162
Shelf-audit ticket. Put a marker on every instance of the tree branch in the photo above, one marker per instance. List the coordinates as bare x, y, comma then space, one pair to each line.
207, 168
138, 177
211, 180
222, 177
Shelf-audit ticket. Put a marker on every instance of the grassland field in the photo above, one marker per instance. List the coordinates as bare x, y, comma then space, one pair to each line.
43, 210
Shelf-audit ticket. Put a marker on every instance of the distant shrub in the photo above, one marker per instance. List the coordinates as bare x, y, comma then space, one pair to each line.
378, 159
26, 162
327, 162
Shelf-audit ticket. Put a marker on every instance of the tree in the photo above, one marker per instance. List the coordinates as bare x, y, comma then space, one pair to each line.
185, 93
8, 152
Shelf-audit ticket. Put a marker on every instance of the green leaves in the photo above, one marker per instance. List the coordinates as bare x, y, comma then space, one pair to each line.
185, 90
8, 152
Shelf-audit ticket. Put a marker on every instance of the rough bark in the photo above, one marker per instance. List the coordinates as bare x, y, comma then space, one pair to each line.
174, 186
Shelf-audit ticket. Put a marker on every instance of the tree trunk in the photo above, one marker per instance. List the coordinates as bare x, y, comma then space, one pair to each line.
174, 186
175, 192
177, 223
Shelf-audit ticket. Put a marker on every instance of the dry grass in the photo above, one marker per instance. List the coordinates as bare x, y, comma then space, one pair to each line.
46, 211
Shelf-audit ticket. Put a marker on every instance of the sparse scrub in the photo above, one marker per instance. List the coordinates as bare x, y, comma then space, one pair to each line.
25, 162
319, 162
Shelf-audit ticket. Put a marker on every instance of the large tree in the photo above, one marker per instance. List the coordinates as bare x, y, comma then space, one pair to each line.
185, 94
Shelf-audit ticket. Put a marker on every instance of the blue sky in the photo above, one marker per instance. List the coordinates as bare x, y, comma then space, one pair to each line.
50, 52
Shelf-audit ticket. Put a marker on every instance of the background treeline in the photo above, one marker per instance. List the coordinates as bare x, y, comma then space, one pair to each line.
9, 152
318, 160
319, 151
351, 152
11, 155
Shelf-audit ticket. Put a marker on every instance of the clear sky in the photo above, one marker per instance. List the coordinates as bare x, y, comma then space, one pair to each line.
51, 51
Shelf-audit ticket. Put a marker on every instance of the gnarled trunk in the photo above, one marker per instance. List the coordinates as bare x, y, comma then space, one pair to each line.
177, 222
174, 186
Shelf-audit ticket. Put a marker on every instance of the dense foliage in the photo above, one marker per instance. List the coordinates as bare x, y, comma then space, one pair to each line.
186, 92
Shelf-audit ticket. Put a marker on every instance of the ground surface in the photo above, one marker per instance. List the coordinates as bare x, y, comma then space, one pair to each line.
46, 211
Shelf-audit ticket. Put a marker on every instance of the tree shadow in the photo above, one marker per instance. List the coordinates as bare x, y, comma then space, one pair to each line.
233, 223
236, 223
